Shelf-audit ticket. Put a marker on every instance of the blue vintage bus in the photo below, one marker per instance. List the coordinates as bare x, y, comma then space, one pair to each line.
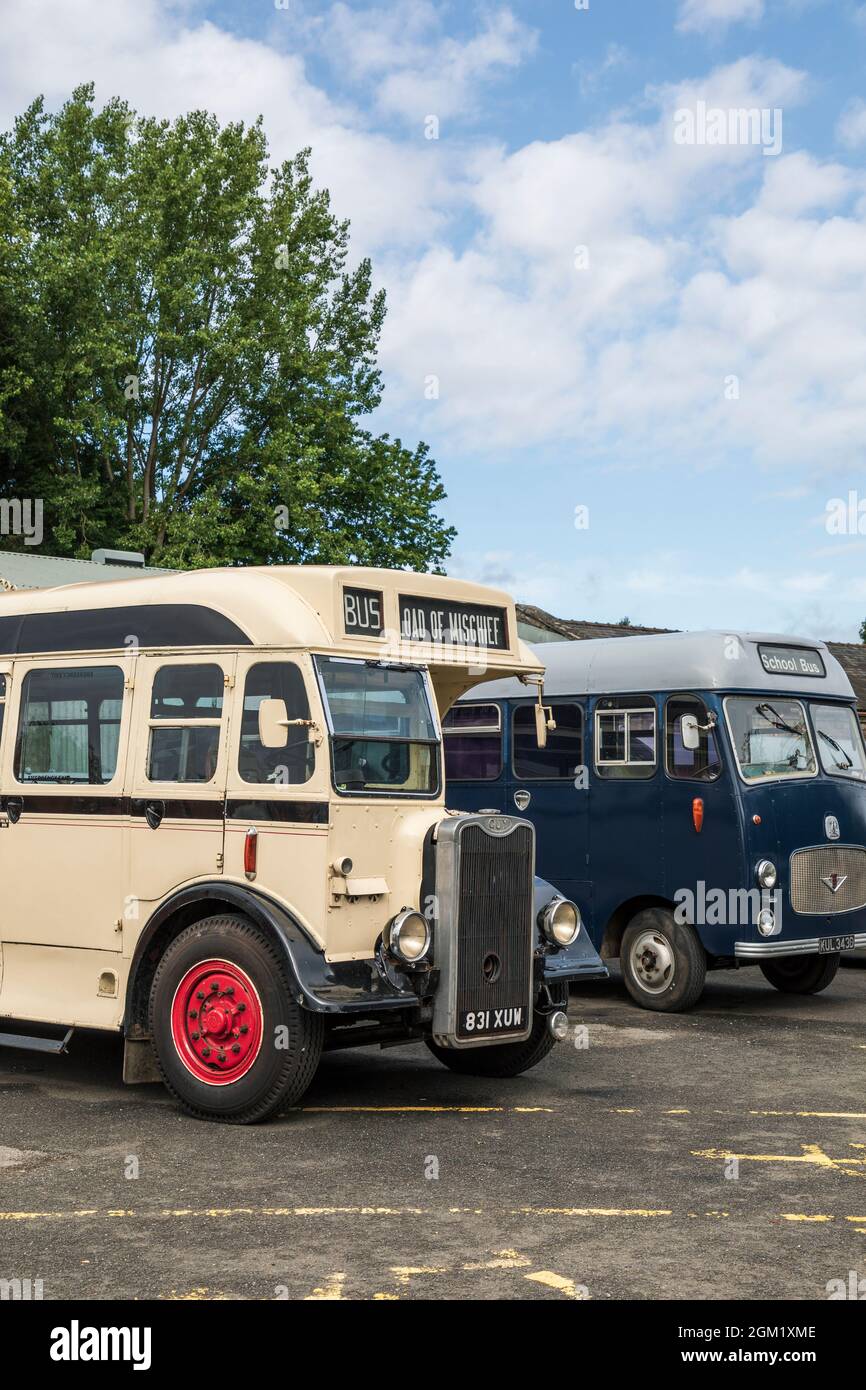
702, 798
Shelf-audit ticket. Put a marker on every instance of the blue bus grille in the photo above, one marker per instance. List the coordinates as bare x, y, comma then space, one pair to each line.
494, 932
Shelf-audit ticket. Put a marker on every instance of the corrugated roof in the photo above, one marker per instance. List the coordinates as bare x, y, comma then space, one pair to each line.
18, 570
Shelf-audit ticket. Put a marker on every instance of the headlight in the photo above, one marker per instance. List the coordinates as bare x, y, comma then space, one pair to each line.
560, 921
407, 936
766, 874
766, 922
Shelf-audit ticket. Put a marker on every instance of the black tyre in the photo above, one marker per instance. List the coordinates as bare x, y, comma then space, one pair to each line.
504, 1059
663, 963
801, 974
230, 1040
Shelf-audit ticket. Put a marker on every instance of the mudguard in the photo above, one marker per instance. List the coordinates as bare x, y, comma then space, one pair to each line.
579, 961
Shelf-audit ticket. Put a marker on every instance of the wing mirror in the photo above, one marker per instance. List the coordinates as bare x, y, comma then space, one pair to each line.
544, 721
690, 730
273, 724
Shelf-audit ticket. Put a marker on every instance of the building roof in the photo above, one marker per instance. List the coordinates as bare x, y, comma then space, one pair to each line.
852, 656
538, 626
20, 570
673, 661
532, 617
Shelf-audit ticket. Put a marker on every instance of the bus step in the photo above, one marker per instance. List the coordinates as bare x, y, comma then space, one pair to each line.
27, 1044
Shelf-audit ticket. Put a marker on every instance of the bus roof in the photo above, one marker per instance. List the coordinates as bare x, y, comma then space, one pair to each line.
464, 632
684, 661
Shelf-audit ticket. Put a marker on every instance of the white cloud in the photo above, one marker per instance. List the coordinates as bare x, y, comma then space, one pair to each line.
703, 16
410, 67
681, 294
851, 126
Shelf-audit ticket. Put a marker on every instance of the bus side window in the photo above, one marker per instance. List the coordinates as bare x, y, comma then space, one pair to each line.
2, 705
625, 737
69, 726
473, 743
703, 764
294, 763
562, 758
185, 713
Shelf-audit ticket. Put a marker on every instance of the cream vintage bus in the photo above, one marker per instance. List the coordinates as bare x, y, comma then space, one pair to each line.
223, 832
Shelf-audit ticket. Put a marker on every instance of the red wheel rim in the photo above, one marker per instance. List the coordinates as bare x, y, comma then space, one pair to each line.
217, 1022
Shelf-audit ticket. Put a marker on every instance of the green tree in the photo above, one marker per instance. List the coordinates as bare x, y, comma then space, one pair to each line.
863, 631
185, 355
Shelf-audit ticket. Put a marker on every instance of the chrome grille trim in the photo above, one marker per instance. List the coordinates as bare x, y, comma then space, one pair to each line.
808, 867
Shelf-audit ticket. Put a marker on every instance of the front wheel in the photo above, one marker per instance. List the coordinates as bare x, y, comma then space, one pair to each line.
801, 974
664, 965
231, 1042
505, 1059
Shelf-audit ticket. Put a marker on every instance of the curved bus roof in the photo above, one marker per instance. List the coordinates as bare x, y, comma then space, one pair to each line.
684, 661
464, 632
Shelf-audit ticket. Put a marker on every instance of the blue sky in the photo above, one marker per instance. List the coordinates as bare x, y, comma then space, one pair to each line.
584, 311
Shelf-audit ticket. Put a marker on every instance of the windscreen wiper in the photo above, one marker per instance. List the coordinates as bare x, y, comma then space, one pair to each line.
849, 762
778, 722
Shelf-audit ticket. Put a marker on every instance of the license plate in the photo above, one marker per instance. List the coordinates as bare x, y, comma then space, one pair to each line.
829, 945
486, 1021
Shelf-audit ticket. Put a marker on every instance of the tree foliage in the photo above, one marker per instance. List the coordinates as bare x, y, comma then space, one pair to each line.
186, 357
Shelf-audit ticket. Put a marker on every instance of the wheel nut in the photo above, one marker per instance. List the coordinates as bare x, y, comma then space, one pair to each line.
193, 1013
199, 994
221, 1056
244, 1028
196, 1036
205, 1052
241, 1008
236, 1047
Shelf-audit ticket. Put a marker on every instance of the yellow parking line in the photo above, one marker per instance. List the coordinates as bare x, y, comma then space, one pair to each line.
588, 1211
502, 1258
557, 1281
812, 1153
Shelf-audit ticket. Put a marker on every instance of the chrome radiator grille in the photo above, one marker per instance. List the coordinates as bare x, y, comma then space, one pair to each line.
828, 879
493, 924
484, 929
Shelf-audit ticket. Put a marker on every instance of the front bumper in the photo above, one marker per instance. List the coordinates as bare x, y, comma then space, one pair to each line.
810, 946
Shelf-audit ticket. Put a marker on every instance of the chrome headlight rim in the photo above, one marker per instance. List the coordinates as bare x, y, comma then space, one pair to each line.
766, 874
396, 936
766, 922
548, 926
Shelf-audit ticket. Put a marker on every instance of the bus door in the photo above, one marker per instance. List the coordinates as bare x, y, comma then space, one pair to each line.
178, 771
278, 798
625, 832
62, 828
550, 786
700, 817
